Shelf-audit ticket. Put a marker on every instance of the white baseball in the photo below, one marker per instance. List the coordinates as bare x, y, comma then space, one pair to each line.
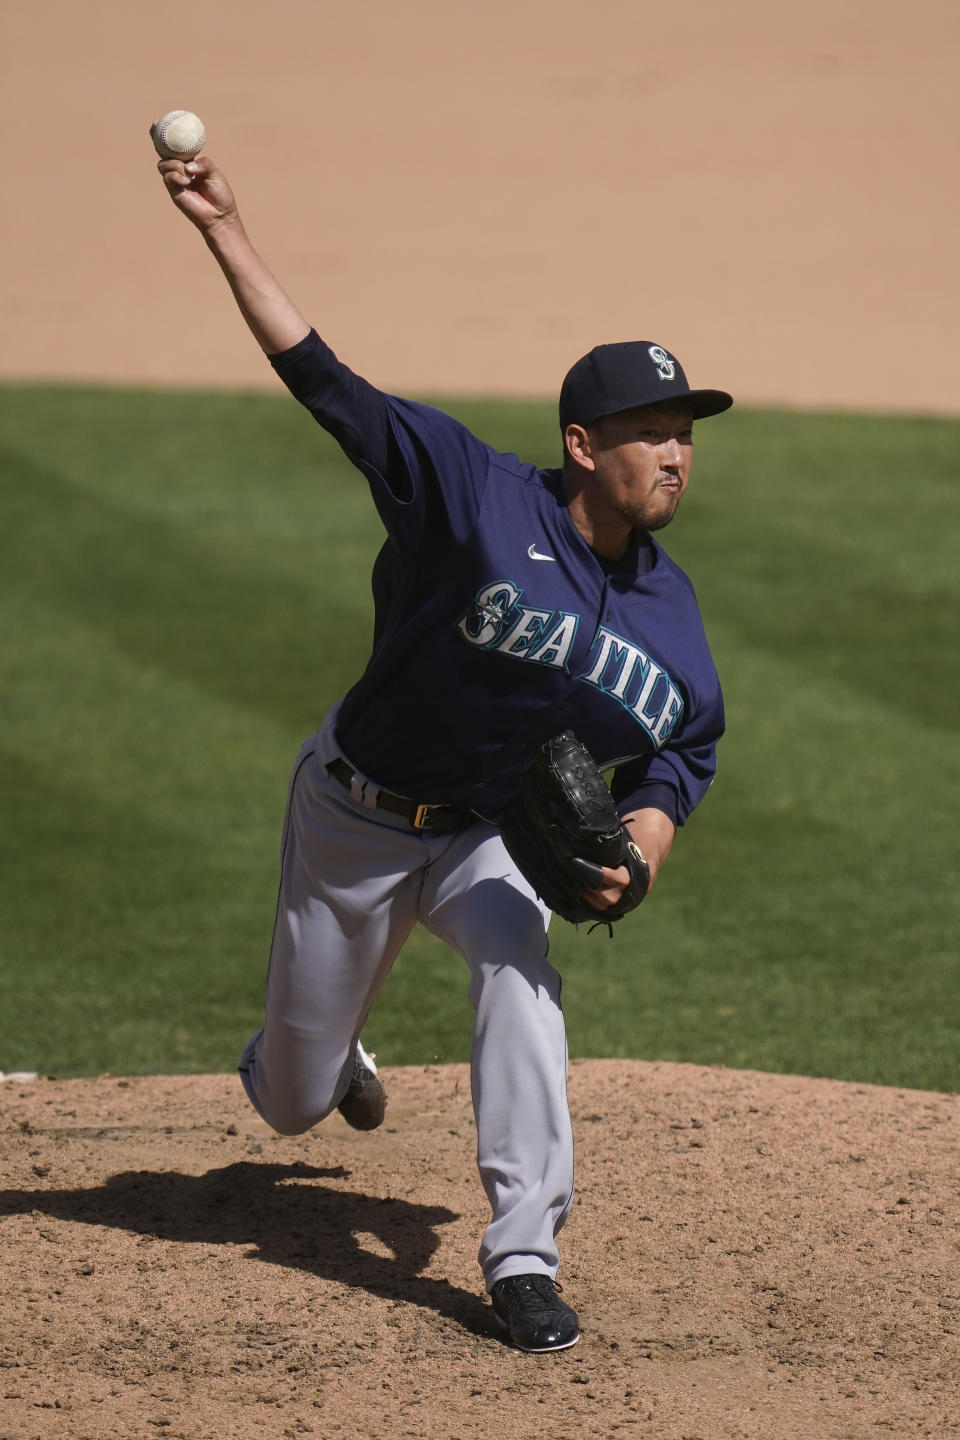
178, 135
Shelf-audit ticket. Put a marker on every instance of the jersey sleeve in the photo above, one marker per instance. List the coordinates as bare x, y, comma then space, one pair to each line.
675, 779
418, 461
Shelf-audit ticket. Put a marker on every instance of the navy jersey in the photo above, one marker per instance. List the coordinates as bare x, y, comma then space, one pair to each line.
495, 624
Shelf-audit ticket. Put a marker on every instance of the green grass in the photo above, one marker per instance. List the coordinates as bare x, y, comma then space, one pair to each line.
184, 588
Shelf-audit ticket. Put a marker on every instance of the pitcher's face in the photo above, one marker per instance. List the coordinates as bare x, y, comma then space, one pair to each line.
642, 461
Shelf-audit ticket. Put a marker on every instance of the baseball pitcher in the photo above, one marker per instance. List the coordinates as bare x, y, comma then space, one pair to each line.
529, 634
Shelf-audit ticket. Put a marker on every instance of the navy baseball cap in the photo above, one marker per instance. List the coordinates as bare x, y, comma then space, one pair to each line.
626, 375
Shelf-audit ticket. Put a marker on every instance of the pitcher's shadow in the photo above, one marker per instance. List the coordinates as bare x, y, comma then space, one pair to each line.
287, 1219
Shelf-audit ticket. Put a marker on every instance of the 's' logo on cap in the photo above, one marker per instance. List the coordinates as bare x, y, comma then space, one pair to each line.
666, 368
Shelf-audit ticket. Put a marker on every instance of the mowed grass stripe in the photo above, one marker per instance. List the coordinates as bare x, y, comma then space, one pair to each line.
185, 588
138, 847
173, 594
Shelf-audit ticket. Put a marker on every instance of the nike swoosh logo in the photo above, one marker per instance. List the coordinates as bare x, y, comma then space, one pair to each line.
535, 555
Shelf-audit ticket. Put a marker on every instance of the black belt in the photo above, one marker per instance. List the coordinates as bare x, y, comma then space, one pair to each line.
441, 819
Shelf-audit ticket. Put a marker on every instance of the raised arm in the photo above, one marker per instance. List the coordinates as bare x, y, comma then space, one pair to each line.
403, 449
200, 191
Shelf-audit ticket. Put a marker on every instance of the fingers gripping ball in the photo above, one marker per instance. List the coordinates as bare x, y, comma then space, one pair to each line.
178, 135
563, 828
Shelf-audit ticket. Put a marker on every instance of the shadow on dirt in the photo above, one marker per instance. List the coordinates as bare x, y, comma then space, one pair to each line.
285, 1216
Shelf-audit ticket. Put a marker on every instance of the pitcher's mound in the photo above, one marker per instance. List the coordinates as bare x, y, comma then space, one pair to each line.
750, 1255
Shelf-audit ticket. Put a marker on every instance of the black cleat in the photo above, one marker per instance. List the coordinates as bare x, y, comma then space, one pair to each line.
364, 1104
529, 1308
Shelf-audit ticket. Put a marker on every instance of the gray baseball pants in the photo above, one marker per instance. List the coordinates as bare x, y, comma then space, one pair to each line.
354, 882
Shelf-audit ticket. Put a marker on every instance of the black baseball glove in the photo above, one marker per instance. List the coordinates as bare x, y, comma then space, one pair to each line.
563, 827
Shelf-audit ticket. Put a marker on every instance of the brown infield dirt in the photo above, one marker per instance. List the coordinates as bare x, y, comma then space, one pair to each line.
463, 200
751, 1256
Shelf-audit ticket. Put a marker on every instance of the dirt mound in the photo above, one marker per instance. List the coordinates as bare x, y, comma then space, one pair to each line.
751, 1256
